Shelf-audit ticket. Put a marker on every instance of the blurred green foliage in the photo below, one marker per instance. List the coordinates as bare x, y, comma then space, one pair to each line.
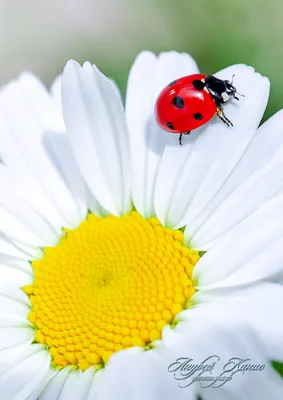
216, 32
278, 366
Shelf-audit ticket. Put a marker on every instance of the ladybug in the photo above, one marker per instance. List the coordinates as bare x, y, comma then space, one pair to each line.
191, 101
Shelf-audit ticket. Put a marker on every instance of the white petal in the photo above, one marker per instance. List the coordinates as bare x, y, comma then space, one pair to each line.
60, 152
260, 387
148, 76
55, 386
11, 356
94, 206
20, 381
8, 249
14, 335
251, 251
173, 65
139, 109
69, 384
95, 121
42, 385
56, 93
20, 221
117, 90
12, 249
265, 144
97, 382
77, 385
269, 386
221, 340
14, 321
190, 176
13, 300
258, 307
15, 266
246, 199
38, 97
27, 115
217, 394
257, 178
140, 375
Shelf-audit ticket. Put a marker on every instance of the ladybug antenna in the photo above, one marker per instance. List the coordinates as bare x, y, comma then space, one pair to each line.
242, 95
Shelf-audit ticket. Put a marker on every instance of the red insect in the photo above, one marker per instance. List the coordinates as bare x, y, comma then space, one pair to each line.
190, 102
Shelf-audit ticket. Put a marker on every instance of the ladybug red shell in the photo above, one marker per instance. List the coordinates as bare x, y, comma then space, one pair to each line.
191, 101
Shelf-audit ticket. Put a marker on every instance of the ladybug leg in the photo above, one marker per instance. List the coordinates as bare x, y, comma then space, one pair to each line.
224, 120
222, 116
181, 135
237, 98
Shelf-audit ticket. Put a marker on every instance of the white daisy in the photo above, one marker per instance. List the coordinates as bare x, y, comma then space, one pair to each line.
102, 285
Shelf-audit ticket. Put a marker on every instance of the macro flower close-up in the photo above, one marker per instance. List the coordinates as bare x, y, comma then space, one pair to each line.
122, 251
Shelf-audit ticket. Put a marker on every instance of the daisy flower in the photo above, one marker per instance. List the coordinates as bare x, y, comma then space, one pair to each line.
121, 250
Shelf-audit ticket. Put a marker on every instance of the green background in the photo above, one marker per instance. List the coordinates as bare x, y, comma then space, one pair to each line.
216, 32
41, 36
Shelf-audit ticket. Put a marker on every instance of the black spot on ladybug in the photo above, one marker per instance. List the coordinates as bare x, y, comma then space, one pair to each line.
170, 125
198, 116
172, 83
178, 101
198, 85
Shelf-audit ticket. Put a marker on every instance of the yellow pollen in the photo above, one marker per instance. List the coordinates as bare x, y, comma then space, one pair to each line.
110, 284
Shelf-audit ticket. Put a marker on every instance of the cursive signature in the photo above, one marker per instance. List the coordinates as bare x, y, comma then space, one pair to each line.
186, 371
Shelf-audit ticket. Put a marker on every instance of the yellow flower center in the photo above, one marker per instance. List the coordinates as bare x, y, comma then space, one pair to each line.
110, 284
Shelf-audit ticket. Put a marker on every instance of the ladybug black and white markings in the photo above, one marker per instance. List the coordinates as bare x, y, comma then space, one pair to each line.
191, 101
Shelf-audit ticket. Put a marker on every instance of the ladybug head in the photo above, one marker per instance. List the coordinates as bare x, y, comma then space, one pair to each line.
230, 88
